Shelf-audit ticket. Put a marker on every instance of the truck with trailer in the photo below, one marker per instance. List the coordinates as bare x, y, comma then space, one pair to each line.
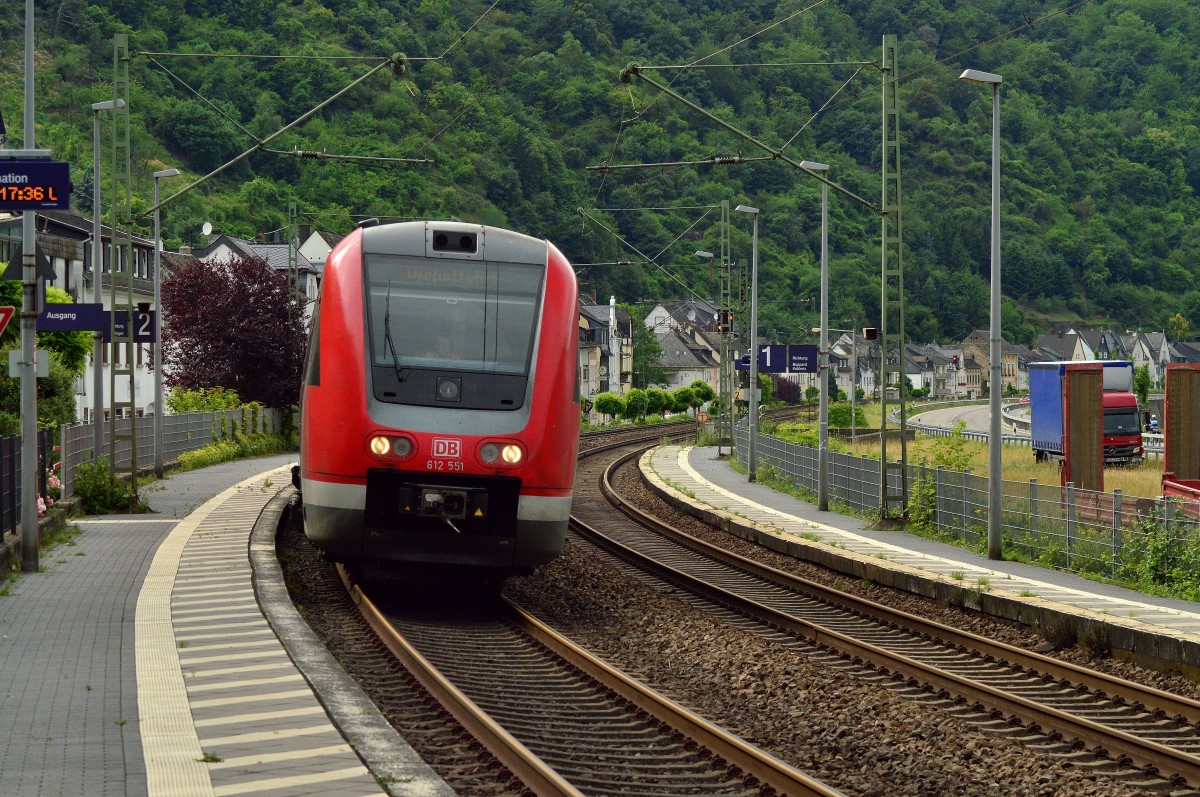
1122, 419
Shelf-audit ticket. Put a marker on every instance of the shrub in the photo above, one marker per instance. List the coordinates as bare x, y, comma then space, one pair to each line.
249, 445
101, 492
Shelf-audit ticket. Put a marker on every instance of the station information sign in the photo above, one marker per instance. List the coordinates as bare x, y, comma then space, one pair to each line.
34, 184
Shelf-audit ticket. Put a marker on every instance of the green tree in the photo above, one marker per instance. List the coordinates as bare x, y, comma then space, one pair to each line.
647, 356
68, 353
1142, 384
683, 399
610, 404
703, 392
1178, 326
204, 399
635, 404
658, 401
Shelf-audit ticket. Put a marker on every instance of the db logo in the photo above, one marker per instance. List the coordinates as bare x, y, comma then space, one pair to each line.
447, 447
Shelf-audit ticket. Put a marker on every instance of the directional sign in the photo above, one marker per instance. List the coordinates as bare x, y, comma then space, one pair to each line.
72, 317
743, 363
35, 184
772, 358
145, 326
802, 359
6, 314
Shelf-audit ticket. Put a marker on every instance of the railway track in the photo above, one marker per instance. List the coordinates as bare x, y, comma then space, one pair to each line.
562, 721
558, 719
1095, 719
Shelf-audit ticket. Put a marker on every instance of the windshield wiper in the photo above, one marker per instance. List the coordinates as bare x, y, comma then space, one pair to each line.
388, 343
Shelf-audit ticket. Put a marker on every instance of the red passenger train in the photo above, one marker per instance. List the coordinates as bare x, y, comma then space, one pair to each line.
440, 405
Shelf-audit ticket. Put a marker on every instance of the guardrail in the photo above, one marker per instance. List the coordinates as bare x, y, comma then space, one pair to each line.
1152, 443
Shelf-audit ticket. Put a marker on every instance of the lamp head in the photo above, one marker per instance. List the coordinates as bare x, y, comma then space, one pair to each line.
813, 166
167, 173
107, 105
975, 76
746, 209
705, 255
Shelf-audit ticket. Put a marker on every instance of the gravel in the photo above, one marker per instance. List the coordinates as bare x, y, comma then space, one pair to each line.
857, 736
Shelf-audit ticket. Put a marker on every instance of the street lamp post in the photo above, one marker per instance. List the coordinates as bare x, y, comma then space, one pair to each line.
994, 466
853, 376
853, 385
752, 418
823, 348
158, 383
97, 268
721, 378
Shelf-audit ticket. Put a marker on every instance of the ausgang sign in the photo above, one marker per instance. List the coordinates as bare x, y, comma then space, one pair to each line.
30, 184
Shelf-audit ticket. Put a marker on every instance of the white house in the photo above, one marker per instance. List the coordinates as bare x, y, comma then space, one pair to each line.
65, 240
314, 248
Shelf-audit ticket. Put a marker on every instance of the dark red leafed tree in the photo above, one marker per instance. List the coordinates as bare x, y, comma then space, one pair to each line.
233, 324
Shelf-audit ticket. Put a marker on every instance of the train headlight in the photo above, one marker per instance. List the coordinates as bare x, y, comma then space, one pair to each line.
502, 454
383, 446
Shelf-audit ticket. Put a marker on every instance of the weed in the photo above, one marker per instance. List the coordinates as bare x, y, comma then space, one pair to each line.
1060, 632
958, 575
101, 492
210, 758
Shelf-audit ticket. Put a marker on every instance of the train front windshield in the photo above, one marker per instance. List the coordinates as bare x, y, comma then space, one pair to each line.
468, 315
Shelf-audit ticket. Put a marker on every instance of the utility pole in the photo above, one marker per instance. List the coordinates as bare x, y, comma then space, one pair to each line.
893, 499
30, 540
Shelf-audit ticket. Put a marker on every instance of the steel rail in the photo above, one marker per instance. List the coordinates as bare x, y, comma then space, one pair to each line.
1151, 756
764, 767
1180, 709
504, 746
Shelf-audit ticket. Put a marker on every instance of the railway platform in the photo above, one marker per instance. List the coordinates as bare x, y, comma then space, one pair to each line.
1158, 632
158, 654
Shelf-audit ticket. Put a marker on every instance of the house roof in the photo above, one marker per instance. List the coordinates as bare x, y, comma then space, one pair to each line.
276, 255
678, 352
984, 336
172, 261
1099, 339
1059, 345
76, 221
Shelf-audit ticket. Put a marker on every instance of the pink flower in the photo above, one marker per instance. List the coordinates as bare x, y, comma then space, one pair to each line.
41, 506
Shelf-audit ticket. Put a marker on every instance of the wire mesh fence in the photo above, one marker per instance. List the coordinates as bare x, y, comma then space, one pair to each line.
185, 432
1144, 540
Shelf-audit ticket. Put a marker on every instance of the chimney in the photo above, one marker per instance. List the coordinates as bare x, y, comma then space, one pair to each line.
184, 249
260, 239
305, 232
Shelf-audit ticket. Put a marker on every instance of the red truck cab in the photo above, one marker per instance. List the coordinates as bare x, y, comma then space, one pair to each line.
1122, 429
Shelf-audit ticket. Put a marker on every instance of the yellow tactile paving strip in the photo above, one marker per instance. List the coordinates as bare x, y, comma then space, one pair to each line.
223, 709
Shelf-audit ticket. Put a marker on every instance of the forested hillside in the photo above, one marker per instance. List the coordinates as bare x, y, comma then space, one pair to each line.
1100, 130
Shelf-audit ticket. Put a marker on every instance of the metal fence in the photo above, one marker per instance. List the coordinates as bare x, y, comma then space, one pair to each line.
1086, 531
181, 433
10, 475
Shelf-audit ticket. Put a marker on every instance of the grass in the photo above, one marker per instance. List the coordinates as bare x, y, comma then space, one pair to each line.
1016, 462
